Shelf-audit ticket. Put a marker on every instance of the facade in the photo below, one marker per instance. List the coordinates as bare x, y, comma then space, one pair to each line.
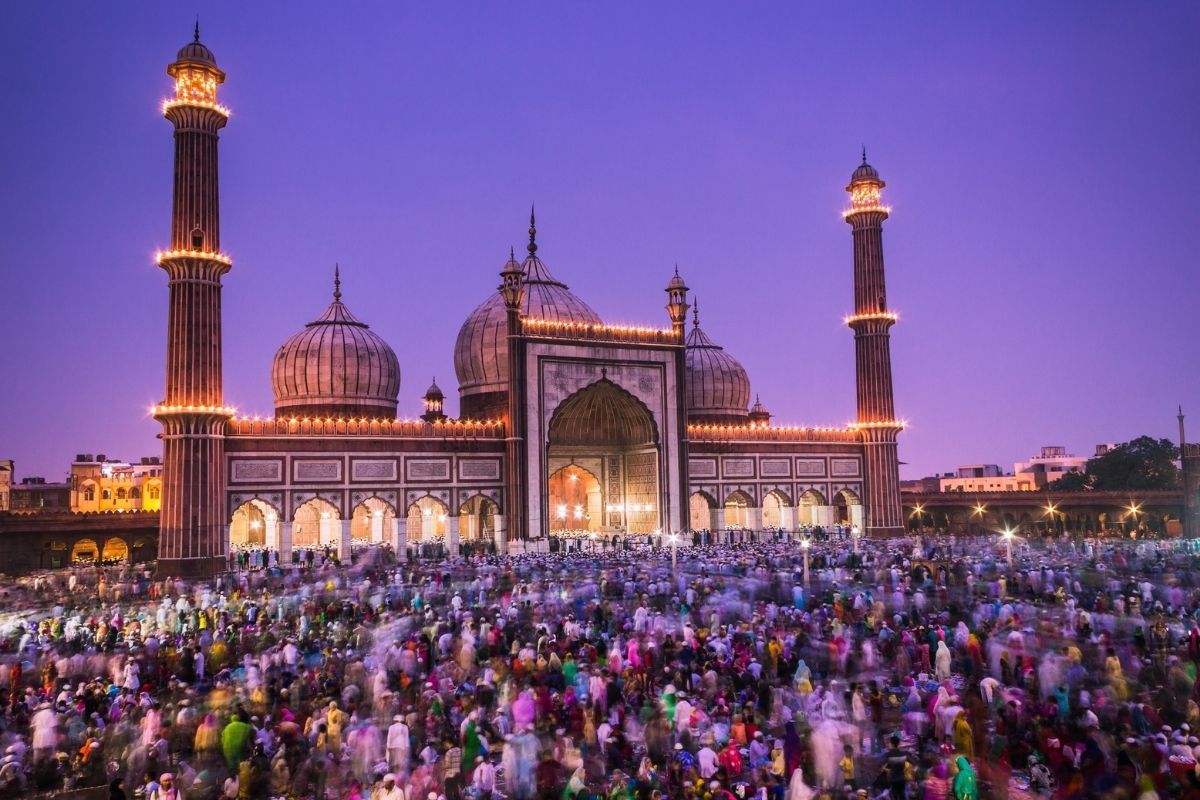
101, 484
36, 496
6, 481
568, 426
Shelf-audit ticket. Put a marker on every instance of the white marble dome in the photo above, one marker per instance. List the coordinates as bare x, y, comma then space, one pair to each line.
336, 367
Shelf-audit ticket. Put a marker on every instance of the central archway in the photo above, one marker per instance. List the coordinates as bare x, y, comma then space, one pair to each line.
605, 441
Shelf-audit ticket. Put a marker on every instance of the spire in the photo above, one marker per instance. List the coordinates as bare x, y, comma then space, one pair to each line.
676, 269
695, 312
864, 154
196, 34
337, 283
532, 248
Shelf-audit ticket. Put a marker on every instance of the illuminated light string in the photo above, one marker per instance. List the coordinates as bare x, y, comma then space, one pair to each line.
712, 428
163, 408
886, 423
591, 327
170, 255
864, 209
224, 111
890, 316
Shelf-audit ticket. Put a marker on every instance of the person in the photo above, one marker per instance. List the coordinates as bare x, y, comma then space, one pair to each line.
388, 790
116, 789
166, 789
895, 767
965, 786
847, 767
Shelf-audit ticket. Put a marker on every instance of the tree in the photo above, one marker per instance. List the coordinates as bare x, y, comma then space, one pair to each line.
1143, 464
1072, 482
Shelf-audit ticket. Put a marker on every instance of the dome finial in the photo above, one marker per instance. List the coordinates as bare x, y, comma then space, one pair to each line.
695, 311
337, 282
864, 154
532, 248
196, 33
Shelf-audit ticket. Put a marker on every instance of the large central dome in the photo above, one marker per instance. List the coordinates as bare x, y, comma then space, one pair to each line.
336, 367
481, 352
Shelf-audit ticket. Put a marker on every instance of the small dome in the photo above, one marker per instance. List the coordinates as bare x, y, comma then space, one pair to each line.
718, 389
336, 367
481, 352
194, 51
758, 407
864, 172
676, 282
434, 392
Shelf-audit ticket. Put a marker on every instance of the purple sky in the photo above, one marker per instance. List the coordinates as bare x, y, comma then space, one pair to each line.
1039, 163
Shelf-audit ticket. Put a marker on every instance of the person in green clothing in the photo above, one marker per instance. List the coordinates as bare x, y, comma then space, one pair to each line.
965, 786
471, 745
570, 669
234, 738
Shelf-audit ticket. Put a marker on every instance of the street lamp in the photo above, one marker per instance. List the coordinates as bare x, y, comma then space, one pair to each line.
919, 513
978, 511
805, 544
674, 540
855, 533
1008, 540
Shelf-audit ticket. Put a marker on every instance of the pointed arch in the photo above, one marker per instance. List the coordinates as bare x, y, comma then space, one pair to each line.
427, 518
371, 521
737, 509
700, 507
316, 523
776, 509
477, 518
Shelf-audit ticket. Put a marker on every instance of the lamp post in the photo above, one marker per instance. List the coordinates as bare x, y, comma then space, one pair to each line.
1008, 540
855, 534
674, 540
805, 544
919, 513
979, 511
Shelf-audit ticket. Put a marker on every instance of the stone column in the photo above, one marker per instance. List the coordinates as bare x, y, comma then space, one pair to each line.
376, 527
343, 542
271, 533
285, 544
754, 518
501, 533
787, 517
714, 523
452, 536
400, 539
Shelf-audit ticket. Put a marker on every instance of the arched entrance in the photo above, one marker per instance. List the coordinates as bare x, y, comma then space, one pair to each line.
700, 508
316, 523
85, 551
811, 502
576, 501
253, 524
371, 522
847, 508
605, 433
477, 519
115, 550
427, 519
776, 510
737, 510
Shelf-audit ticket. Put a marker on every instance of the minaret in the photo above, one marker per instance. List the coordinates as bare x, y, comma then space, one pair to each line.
677, 304
873, 360
512, 290
192, 539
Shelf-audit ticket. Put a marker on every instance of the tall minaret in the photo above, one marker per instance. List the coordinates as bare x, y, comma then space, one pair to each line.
192, 539
873, 359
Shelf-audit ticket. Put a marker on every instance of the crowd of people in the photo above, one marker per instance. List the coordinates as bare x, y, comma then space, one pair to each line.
898, 669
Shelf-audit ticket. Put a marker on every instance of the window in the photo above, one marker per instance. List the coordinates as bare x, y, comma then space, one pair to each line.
89, 493
153, 492
135, 493
106, 494
121, 493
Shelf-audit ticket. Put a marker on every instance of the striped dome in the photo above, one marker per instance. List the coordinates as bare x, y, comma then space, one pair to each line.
718, 389
335, 367
481, 352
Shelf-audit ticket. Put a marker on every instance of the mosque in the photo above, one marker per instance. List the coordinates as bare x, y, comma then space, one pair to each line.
568, 425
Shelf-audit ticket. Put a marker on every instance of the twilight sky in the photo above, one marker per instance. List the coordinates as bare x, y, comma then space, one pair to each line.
1039, 162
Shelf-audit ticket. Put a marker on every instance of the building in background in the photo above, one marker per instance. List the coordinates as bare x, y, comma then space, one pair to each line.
6, 481
1050, 464
34, 495
102, 484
